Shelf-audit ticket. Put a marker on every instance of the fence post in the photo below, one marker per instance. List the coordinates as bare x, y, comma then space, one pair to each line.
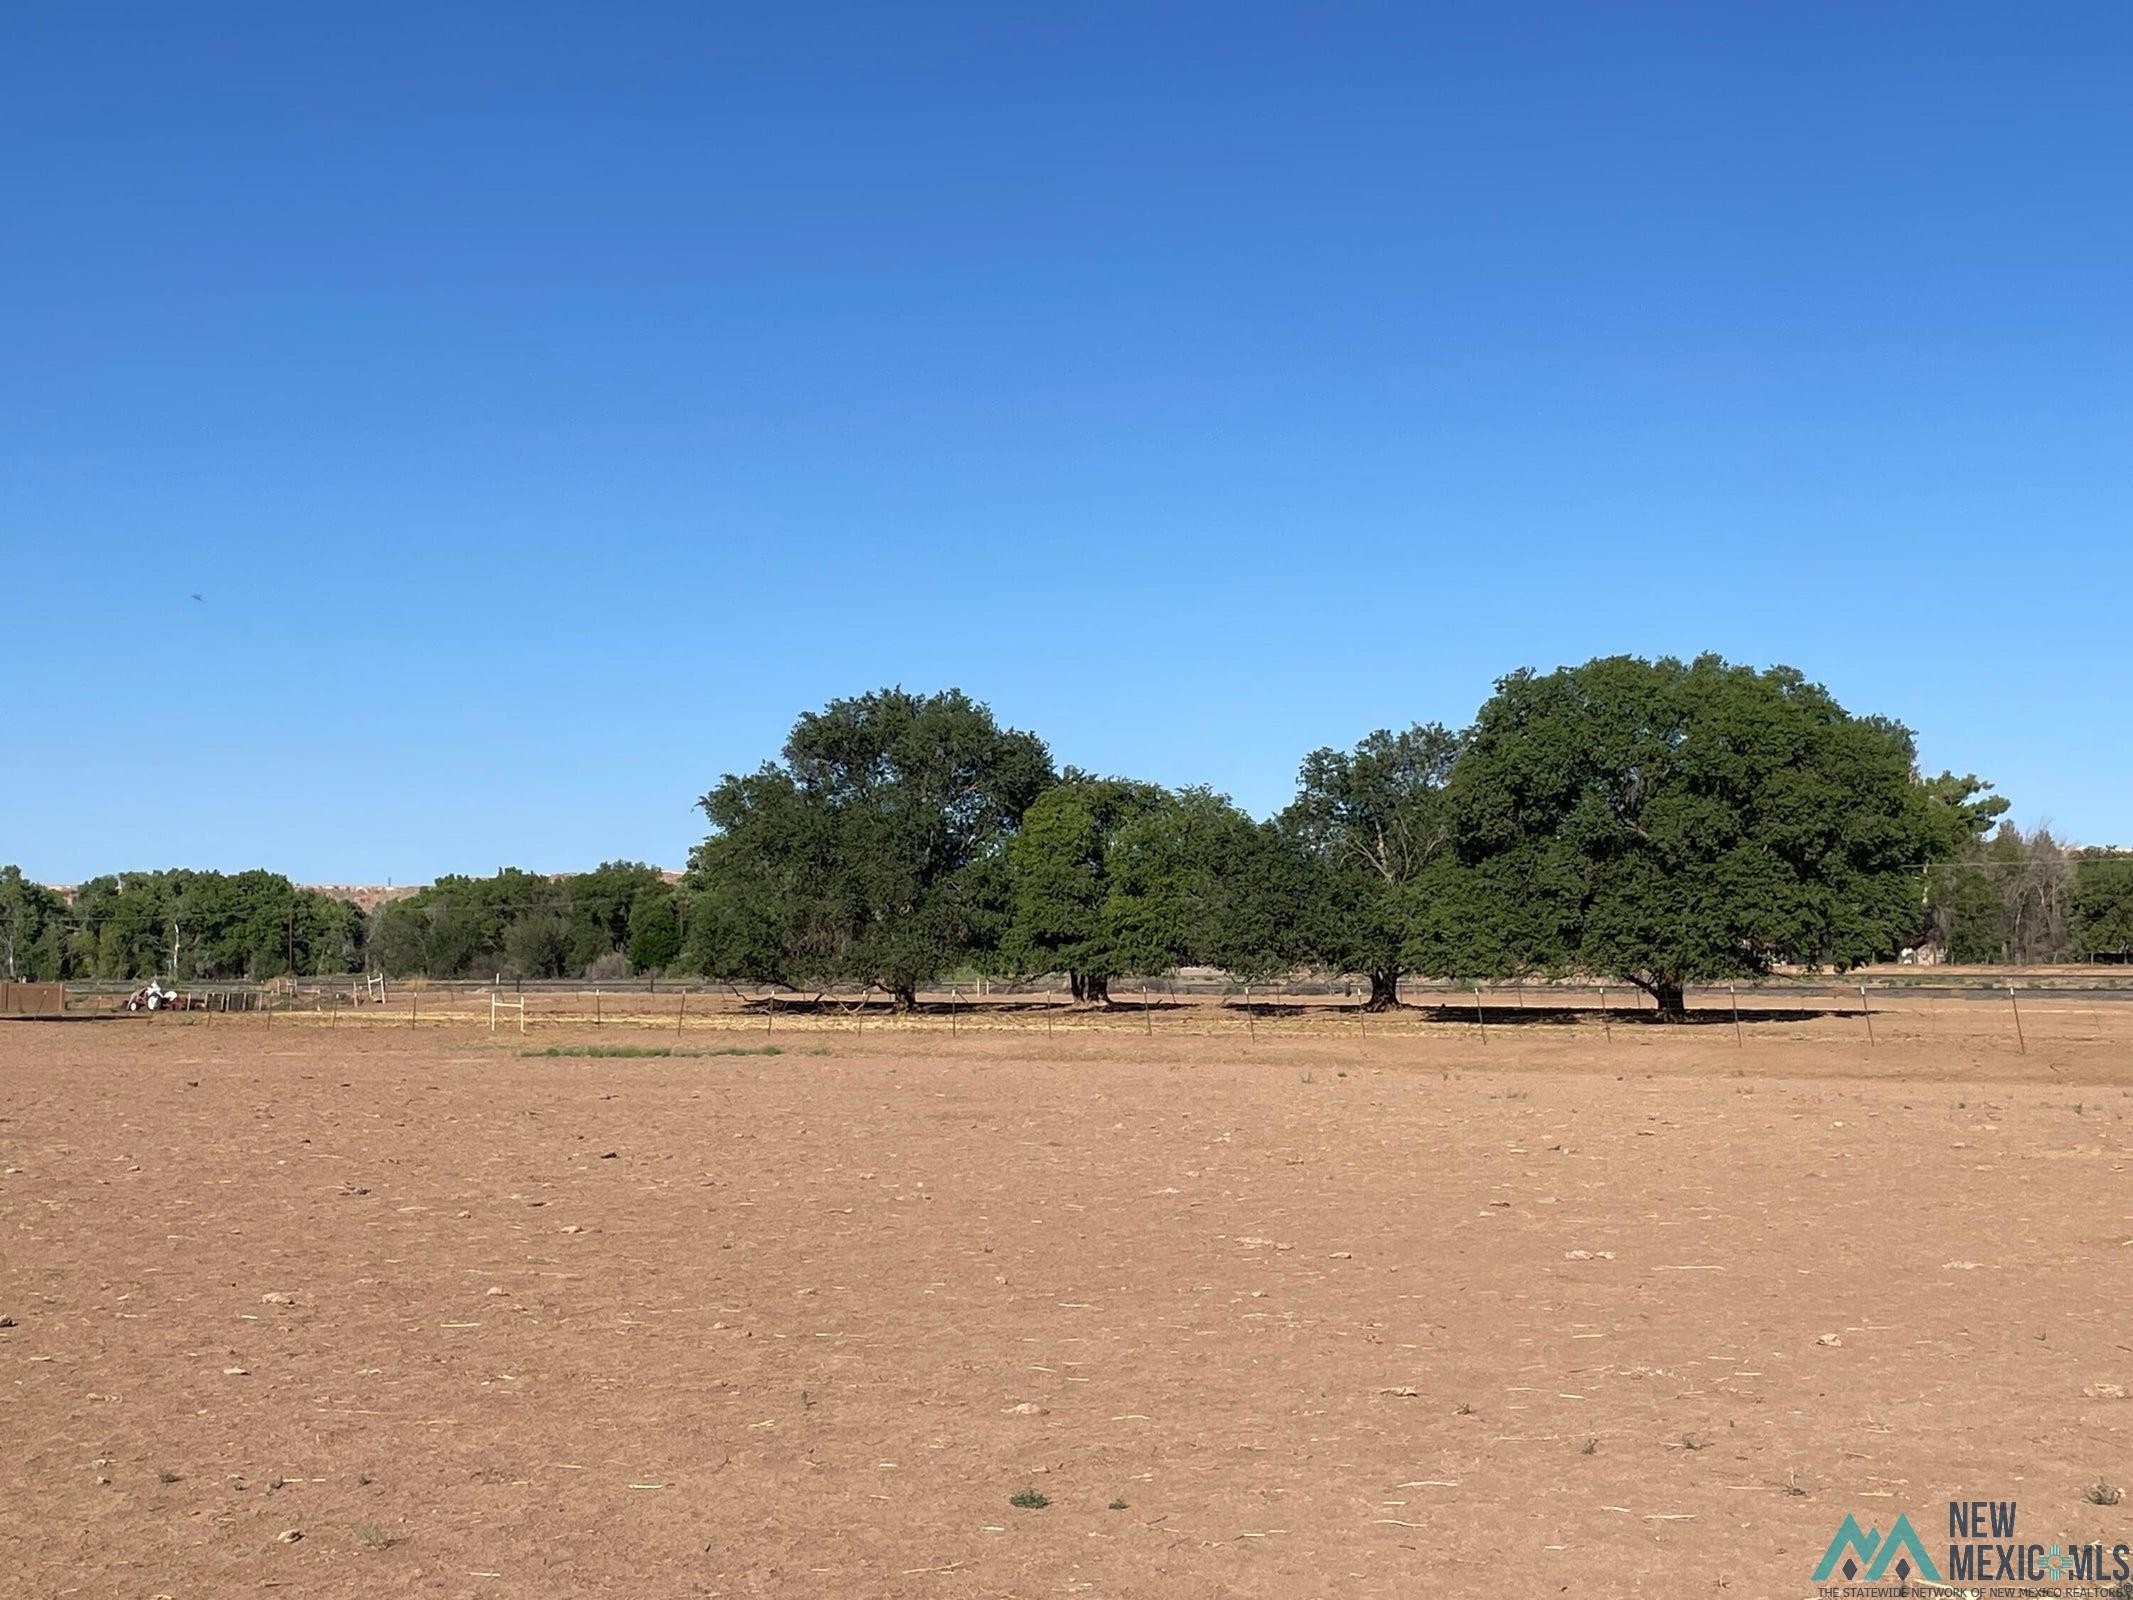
1479, 1020
1147, 1016
1734, 995
2013, 1005
1866, 1008
954, 996
1251, 1023
1607, 1027
681, 1011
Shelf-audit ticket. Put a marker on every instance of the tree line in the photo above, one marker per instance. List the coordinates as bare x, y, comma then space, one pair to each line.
2028, 898
1663, 823
185, 926
1659, 822
177, 924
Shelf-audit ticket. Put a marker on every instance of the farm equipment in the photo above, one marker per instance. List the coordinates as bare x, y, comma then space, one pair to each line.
157, 998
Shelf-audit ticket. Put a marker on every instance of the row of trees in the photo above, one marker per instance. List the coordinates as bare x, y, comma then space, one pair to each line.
185, 926
177, 924
1663, 822
1660, 822
621, 917
2029, 898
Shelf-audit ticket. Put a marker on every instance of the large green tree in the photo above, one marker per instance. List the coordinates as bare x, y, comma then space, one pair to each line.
1672, 823
2103, 905
603, 905
655, 930
874, 852
1374, 822
1058, 869
32, 929
1199, 883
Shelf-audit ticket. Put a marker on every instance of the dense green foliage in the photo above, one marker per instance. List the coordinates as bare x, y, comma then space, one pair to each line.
179, 925
2103, 905
33, 929
1059, 871
875, 853
523, 924
1662, 822
1670, 823
1374, 822
2025, 897
1199, 883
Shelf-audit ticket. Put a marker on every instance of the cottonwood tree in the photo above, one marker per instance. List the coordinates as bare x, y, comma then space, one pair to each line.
1373, 820
874, 852
31, 920
1060, 880
1670, 823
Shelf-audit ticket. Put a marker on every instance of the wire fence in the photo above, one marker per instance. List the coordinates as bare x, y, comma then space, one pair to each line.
2017, 1012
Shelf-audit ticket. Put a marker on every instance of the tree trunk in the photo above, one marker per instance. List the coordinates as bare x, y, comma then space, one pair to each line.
1095, 990
1075, 984
1673, 1005
1384, 991
903, 996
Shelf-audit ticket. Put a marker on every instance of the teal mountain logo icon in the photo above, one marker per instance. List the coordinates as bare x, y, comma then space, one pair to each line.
1868, 1556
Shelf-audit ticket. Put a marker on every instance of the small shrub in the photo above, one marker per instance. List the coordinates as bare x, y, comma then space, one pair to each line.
1028, 1500
2100, 1493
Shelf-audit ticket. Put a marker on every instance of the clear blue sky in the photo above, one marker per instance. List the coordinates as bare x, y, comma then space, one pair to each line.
550, 402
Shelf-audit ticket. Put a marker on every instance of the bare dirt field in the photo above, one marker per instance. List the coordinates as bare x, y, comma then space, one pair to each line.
1392, 1310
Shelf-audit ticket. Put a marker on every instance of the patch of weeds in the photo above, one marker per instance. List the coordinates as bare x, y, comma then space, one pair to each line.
1464, 1408
610, 1052
1792, 1487
1028, 1500
167, 1477
1691, 1443
372, 1537
1591, 1447
807, 1401
1117, 1504
363, 1480
2100, 1493
275, 1482
751, 1050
